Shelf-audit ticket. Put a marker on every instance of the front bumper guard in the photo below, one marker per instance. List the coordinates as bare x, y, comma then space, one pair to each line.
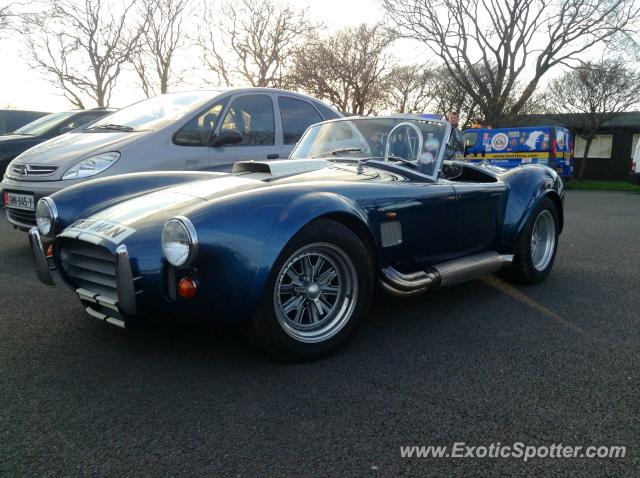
40, 261
124, 305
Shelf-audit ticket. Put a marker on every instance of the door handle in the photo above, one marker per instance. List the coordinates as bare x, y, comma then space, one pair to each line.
273, 156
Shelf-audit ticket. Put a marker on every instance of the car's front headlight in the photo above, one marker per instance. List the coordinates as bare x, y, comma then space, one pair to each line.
179, 242
46, 216
91, 166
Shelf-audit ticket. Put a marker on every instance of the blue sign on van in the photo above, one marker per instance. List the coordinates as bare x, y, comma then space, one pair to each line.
511, 147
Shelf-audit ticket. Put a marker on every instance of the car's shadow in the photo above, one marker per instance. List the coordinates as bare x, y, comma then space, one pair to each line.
400, 324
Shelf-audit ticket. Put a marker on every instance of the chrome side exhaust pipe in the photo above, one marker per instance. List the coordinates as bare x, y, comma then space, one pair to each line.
445, 274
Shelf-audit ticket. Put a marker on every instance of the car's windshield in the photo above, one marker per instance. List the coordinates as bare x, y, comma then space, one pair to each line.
44, 124
407, 140
154, 113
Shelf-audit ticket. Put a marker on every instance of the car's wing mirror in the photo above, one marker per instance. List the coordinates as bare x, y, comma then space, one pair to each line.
227, 136
187, 138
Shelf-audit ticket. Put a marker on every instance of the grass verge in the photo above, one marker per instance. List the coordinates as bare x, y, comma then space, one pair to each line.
592, 185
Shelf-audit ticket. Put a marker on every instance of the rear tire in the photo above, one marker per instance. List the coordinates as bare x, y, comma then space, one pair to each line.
535, 249
317, 292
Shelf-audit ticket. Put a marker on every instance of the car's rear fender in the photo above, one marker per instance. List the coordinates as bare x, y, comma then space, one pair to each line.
528, 186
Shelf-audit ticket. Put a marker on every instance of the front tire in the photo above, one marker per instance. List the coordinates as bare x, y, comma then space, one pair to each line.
535, 249
317, 292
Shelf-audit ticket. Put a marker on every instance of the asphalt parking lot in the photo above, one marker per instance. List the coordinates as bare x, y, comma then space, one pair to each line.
480, 363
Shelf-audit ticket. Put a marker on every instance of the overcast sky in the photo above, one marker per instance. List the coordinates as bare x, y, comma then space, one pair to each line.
23, 88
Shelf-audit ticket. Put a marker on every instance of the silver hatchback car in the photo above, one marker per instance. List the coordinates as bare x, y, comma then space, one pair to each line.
198, 130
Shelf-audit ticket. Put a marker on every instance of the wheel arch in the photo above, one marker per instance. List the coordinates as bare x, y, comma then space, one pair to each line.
549, 194
307, 209
361, 229
528, 186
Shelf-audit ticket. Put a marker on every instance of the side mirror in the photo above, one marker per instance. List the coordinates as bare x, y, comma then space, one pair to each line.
227, 136
188, 138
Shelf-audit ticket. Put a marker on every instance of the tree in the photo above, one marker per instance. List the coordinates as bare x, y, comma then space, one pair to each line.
250, 41
448, 96
347, 69
162, 37
409, 88
498, 51
82, 47
592, 95
7, 16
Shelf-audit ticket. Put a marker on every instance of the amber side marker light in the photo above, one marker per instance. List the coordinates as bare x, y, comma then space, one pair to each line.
187, 288
50, 251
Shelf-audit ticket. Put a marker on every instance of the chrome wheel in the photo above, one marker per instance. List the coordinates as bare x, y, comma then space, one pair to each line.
543, 240
316, 292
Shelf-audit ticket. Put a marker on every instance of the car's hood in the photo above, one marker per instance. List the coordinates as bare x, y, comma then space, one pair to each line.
68, 149
150, 211
160, 205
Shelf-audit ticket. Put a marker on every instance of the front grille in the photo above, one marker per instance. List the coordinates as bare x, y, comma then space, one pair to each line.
89, 267
28, 218
32, 170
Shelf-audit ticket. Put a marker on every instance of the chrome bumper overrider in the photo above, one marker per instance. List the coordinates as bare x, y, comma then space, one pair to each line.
40, 262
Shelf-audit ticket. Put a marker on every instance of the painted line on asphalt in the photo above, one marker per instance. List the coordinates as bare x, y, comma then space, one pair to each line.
514, 293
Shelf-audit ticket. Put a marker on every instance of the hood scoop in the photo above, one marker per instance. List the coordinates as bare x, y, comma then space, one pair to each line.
279, 168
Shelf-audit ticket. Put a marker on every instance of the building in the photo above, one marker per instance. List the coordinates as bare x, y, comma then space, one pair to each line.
610, 152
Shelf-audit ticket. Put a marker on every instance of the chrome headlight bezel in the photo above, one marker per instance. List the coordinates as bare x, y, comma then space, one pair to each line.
46, 216
186, 233
76, 171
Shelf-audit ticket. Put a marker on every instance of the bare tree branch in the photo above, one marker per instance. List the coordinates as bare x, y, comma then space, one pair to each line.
410, 88
250, 41
162, 37
82, 47
594, 94
490, 46
347, 69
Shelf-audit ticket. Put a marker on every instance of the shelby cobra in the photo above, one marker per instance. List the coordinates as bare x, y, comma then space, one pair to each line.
296, 247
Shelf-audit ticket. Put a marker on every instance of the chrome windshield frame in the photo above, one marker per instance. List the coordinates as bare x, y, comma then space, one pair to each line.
402, 119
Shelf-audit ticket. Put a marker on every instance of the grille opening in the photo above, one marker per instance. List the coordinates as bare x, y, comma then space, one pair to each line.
33, 169
90, 267
23, 217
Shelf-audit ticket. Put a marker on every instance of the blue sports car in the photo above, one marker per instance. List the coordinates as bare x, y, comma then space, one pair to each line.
294, 249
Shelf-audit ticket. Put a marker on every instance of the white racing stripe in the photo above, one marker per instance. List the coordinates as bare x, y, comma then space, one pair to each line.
109, 230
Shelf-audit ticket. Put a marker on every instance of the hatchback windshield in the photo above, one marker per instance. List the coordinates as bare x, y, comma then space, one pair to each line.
418, 143
44, 124
154, 113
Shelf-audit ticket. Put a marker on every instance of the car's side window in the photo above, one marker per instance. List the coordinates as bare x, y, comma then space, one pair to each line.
470, 139
253, 116
328, 113
78, 121
297, 116
198, 131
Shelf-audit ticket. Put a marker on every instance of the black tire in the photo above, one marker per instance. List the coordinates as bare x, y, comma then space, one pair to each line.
268, 326
523, 269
